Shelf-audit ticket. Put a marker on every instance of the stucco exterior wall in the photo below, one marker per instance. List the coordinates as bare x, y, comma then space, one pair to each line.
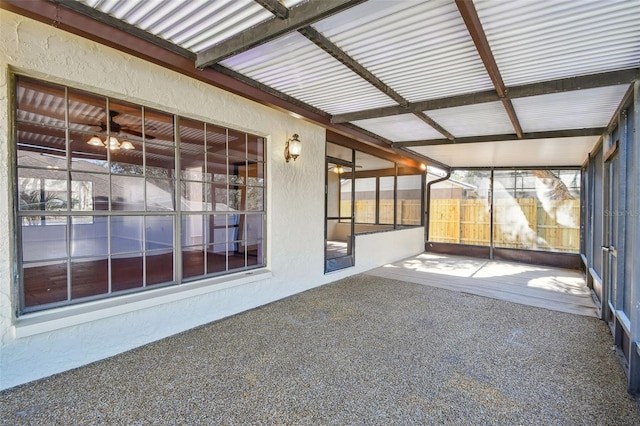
41, 344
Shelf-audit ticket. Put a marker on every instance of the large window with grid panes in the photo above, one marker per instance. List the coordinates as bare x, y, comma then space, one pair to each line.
113, 197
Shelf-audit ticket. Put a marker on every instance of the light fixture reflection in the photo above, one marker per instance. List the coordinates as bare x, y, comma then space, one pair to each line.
338, 170
111, 142
95, 141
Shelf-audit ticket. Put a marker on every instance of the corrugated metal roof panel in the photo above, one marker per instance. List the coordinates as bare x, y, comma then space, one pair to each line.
542, 40
488, 118
295, 66
420, 49
569, 110
399, 128
195, 24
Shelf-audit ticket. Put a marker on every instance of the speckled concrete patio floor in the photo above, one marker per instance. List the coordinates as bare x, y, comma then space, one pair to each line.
363, 350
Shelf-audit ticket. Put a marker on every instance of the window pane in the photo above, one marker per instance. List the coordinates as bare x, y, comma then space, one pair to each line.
236, 260
89, 191
48, 241
44, 284
409, 204
217, 169
89, 236
194, 196
42, 190
386, 200
126, 234
365, 194
160, 160
255, 199
237, 147
89, 277
217, 229
237, 172
233, 227
219, 198
87, 112
216, 140
216, 258
40, 146
237, 197
255, 174
158, 128
254, 227
192, 149
127, 193
126, 272
126, 123
40, 102
192, 262
192, 229
255, 148
159, 267
159, 232
160, 194
254, 253
86, 154
126, 161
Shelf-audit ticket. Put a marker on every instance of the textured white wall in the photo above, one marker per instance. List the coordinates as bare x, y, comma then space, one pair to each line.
295, 202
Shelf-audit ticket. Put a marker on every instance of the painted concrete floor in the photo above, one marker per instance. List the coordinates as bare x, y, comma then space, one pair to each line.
557, 289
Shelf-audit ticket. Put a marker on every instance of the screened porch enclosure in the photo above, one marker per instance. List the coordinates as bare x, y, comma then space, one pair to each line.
519, 209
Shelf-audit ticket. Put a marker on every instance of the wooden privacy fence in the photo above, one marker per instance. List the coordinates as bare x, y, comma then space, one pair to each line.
409, 211
523, 225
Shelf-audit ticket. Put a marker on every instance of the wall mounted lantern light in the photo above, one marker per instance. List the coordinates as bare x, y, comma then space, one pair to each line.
112, 143
292, 148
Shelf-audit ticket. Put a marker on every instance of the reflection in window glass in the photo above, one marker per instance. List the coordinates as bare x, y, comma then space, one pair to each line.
56, 283
255, 148
237, 144
89, 277
159, 267
126, 234
87, 112
89, 191
127, 193
79, 238
86, 156
159, 232
40, 102
194, 196
127, 271
160, 194
42, 190
89, 236
40, 146
44, 242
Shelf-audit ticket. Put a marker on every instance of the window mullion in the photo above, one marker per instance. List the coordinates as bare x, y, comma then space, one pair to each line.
177, 216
